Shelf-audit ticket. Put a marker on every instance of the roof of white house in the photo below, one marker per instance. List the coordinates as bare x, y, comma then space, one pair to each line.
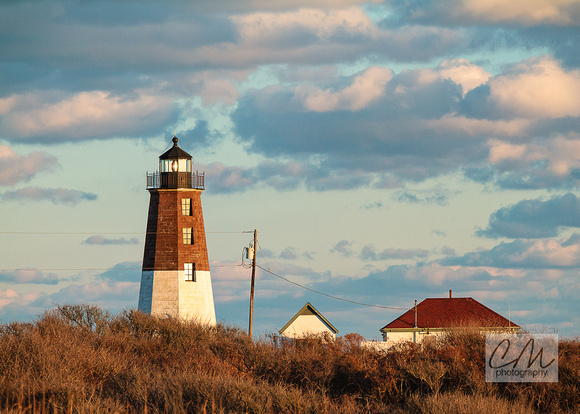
309, 310
448, 313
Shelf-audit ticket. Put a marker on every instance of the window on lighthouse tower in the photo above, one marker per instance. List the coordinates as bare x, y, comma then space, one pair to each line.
186, 206
187, 235
189, 272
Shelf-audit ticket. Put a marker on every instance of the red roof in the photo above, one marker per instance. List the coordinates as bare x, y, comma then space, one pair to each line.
450, 312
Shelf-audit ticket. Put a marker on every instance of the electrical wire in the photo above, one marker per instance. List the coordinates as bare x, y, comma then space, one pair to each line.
94, 268
242, 264
330, 296
125, 233
263, 255
62, 233
273, 280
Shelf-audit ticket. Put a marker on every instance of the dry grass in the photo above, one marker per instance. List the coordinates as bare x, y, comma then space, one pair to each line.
80, 359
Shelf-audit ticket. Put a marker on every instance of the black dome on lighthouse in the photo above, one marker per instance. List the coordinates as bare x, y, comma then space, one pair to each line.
174, 152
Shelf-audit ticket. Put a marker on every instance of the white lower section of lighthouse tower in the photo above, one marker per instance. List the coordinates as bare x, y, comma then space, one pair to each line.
167, 293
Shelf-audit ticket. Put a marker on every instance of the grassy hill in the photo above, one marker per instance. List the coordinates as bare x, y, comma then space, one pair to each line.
80, 359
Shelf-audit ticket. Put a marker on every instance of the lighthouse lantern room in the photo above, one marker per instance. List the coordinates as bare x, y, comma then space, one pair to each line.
175, 277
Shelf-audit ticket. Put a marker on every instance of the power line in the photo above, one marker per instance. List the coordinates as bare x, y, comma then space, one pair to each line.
330, 296
276, 284
214, 266
94, 268
60, 232
102, 232
71, 268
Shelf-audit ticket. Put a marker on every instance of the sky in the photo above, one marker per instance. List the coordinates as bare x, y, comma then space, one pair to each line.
386, 152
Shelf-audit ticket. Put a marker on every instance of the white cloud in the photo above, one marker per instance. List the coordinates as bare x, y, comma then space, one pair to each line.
228, 179
537, 88
100, 240
562, 155
435, 274
264, 28
15, 168
464, 73
500, 151
55, 195
478, 127
28, 275
10, 296
527, 12
343, 247
365, 89
551, 253
83, 115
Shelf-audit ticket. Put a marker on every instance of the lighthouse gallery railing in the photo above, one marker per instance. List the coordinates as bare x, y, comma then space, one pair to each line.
176, 180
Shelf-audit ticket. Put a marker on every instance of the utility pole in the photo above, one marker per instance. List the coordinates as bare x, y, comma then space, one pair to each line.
415, 330
253, 280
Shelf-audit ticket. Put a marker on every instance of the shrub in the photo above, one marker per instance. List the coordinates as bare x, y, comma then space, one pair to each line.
78, 358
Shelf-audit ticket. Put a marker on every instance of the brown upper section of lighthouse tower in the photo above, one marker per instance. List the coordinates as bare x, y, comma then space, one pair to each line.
175, 228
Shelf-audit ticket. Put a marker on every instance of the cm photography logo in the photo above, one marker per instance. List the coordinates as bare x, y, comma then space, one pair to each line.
521, 358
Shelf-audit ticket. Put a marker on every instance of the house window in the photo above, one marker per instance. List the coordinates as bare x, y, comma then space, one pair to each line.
187, 235
186, 206
189, 271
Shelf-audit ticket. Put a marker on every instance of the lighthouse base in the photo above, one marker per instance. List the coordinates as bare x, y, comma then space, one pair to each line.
166, 293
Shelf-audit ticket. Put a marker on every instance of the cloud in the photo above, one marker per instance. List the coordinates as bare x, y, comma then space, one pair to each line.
55, 195
199, 136
554, 161
219, 90
531, 292
537, 88
303, 26
525, 12
344, 248
439, 197
539, 254
133, 33
289, 253
224, 179
446, 250
318, 36
368, 252
423, 118
15, 168
282, 176
108, 294
85, 115
366, 88
453, 123
464, 73
490, 12
13, 304
436, 275
84, 47
369, 206
534, 218
385, 136
28, 276
100, 240
123, 272
230, 282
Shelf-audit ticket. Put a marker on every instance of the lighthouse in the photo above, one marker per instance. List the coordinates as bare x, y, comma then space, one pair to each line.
175, 277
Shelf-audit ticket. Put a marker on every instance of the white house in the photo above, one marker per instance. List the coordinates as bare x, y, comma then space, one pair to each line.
308, 321
433, 316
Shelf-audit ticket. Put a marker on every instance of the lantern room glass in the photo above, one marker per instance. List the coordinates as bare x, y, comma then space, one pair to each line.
182, 165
